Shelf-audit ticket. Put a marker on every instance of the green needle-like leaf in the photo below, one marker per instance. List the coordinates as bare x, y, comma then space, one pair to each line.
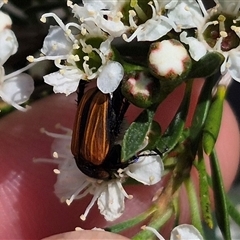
131, 222
221, 208
233, 212
156, 224
201, 111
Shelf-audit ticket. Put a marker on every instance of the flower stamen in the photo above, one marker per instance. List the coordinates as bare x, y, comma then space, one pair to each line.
55, 135
154, 231
59, 22
123, 190
90, 205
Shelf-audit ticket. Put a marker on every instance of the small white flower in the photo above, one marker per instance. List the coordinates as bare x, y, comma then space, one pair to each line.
225, 35
109, 195
77, 58
183, 231
106, 15
147, 170
154, 28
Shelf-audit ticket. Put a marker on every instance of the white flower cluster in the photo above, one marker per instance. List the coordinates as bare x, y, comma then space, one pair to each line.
15, 88
110, 195
82, 50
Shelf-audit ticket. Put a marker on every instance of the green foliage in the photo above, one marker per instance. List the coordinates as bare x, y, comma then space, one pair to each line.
213, 120
208, 65
220, 199
135, 137
172, 135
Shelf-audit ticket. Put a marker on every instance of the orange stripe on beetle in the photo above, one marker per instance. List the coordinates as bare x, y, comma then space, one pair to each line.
90, 139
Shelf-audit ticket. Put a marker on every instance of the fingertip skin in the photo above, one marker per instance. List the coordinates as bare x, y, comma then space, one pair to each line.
87, 235
29, 208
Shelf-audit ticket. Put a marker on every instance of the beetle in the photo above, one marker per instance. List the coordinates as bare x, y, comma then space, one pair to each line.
97, 124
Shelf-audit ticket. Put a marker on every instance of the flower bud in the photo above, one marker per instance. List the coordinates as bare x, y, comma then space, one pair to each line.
169, 61
141, 89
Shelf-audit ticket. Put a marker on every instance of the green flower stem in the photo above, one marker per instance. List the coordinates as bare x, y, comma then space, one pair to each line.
139, 11
193, 202
204, 195
213, 120
219, 197
132, 222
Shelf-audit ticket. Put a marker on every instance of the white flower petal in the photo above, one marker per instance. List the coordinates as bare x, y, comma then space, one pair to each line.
230, 7
100, 4
148, 169
172, 4
184, 12
81, 12
185, 231
110, 77
8, 43
5, 21
2, 74
111, 201
105, 46
18, 88
196, 48
233, 64
153, 30
114, 28
69, 180
56, 43
63, 146
62, 83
